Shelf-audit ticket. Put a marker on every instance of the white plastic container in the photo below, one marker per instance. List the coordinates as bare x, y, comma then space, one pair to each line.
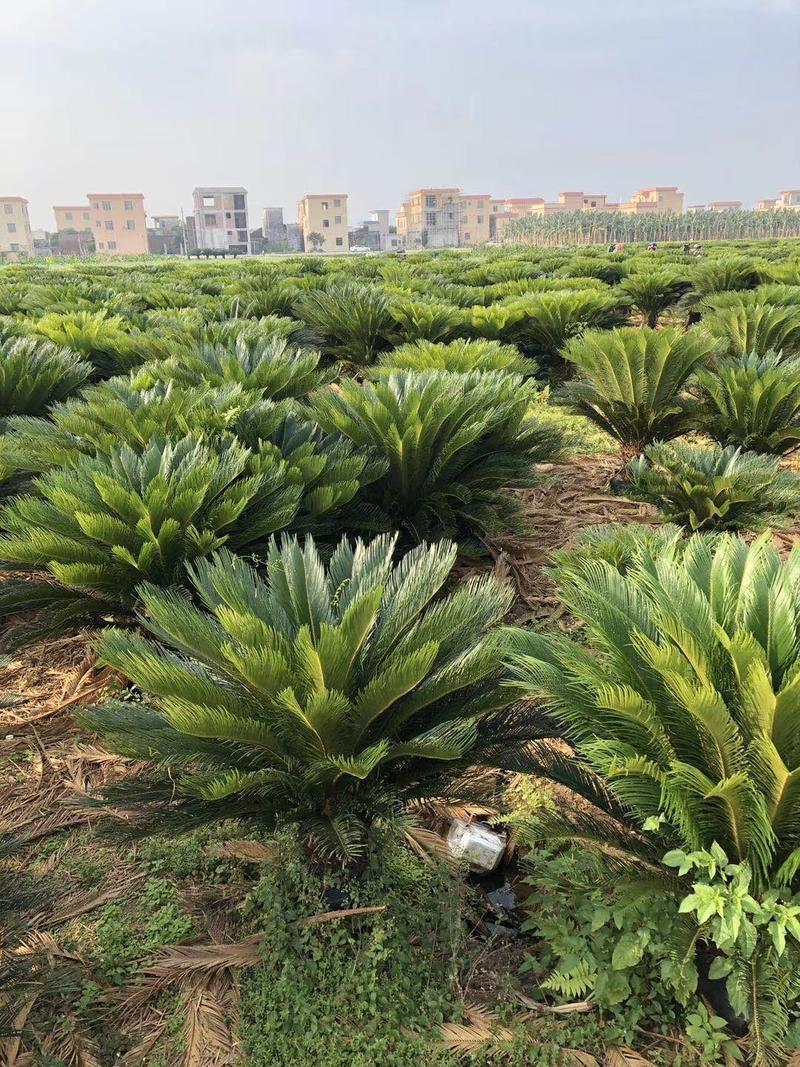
475, 842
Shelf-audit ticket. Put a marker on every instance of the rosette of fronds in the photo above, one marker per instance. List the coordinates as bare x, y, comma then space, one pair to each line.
653, 291
120, 411
461, 356
547, 321
268, 367
678, 699
106, 523
713, 488
103, 340
35, 374
632, 382
323, 696
455, 445
727, 272
352, 320
756, 329
769, 293
754, 402
428, 320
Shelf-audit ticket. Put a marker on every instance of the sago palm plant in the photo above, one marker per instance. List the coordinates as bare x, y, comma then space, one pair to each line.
754, 402
35, 374
679, 699
652, 291
106, 523
632, 382
462, 356
713, 488
324, 696
429, 320
101, 339
268, 367
549, 320
756, 329
352, 320
455, 444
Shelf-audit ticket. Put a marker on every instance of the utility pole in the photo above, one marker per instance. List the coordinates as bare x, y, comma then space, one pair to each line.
183, 234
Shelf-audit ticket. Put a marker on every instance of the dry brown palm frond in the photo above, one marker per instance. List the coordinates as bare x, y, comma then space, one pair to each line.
207, 1030
581, 1058
342, 913
576, 1006
427, 844
175, 961
11, 1054
465, 1038
622, 1056
40, 941
137, 1056
70, 1048
83, 902
250, 851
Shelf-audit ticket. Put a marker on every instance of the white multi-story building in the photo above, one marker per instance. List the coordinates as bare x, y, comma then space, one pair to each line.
220, 215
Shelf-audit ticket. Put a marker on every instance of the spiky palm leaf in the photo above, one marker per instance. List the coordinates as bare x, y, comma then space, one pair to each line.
35, 374
547, 321
454, 443
462, 356
632, 382
321, 695
106, 523
653, 291
713, 488
756, 329
101, 339
679, 697
754, 402
428, 320
353, 320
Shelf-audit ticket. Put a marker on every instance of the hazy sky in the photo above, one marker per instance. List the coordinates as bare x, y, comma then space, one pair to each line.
377, 97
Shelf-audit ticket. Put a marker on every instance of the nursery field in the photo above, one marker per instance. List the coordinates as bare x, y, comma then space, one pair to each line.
309, 566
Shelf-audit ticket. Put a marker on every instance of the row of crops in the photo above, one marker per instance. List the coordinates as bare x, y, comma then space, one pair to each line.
261, 481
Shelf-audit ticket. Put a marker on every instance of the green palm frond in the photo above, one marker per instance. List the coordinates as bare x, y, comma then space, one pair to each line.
35, 374
319, 695
461, 356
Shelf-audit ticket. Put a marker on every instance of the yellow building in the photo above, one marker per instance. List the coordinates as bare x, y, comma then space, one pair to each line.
655, 200
789, 198
324, 215
767, 204
473, 219
116, 220
16, 239
725, 205
570, 201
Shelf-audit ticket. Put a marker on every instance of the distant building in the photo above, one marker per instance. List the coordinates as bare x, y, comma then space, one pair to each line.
220, 214
294, 237
502, 212
165, 235
473, 219
116, 222
767, 204
693, 209
789, 198
15, 228
324, 216
273, 230
725, 205
376, 233
655, 200
257, 242
570, 201
430, 218
41, 244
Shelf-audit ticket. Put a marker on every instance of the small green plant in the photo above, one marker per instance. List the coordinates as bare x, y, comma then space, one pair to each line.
713, 488
753, 402
352, 320
429, 320
652, 291
632, 382
755, 329
35, 374
460, 356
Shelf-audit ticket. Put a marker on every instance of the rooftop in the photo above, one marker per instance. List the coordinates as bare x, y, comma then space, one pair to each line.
18, 199
127, 195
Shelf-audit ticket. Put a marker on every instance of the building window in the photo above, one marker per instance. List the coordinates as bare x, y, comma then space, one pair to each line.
86, 215
12, 227
337, 203
227, 214
339, 241
208, 201
466, 237
109, 225
479, 220
112, 244
129, 205
326, 224
324, 205
337, 220
14, 247
430, 201
68, 215
450, 215
210, 220
430, 218
100, 244
130, 224
238, 202
96, 206
240, 220
8, 208
98, 224
106, 205
242, 235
